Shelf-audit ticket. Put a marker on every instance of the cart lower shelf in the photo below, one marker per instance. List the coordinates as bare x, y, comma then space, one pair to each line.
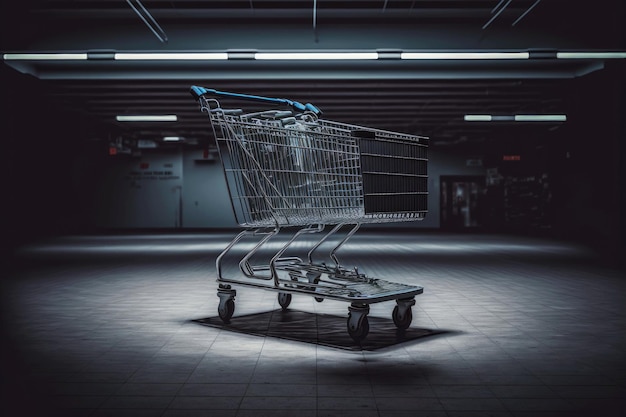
322, 282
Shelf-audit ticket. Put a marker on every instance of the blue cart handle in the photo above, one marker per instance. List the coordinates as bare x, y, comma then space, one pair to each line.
197, 91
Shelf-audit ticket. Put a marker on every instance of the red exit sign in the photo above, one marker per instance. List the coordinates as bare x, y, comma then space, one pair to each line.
511, 157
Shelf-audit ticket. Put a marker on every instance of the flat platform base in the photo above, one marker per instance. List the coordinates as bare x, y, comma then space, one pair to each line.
321, 329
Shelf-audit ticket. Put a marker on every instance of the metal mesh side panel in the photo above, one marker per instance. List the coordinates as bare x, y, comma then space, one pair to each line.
320, 172
394, 176
290, 175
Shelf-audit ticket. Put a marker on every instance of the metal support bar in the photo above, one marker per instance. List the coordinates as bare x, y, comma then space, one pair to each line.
497, 14
336, 248
148, 20
322, 240
526, 12
218, 261
315, 19
277, 256
244, 264
497, 6
348, 236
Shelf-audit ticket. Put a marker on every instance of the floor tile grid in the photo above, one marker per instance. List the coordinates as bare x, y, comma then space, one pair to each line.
527, 393
457, 351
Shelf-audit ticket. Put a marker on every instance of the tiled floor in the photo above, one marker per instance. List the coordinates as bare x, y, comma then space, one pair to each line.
104, 326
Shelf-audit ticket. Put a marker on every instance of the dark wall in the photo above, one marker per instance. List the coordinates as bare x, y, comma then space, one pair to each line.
40, 145
586, 158
622, 152
50, 167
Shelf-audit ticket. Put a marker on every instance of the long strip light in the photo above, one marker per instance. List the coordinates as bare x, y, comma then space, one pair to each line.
290, 56
464, 55
147, 118
591, 55
540, 118
477, 117
45, 56
165, 56
515, 118
294, 56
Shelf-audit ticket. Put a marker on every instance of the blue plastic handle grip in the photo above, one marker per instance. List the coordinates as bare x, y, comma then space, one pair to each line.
197, 91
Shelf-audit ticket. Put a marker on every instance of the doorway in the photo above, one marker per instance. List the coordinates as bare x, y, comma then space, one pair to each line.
462, 202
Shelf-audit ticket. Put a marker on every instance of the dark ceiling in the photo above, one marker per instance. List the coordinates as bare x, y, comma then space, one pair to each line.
426, 97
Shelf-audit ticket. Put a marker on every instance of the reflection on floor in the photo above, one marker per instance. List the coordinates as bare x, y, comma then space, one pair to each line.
110, 326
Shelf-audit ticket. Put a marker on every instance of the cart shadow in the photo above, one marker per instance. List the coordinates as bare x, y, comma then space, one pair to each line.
320, 329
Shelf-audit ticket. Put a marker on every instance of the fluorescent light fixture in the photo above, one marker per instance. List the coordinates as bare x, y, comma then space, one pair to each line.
172, 56
477, 117
464, 55
147, 118
45, 57
516, 118
591, 55
289, 56
172, 138
540, 118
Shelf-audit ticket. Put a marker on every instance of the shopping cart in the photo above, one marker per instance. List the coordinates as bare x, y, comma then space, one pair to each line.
288, 168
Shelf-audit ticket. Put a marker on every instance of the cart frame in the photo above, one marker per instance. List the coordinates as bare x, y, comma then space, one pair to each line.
290, 169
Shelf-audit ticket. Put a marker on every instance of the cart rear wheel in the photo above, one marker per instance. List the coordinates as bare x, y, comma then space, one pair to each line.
359, 330
226, 310
402, 322
284, 299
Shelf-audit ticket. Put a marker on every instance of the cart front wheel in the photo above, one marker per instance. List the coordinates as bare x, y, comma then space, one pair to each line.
284, 299
358, 328
226, 310
402, 321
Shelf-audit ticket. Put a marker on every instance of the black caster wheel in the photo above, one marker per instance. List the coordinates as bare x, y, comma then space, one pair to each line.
226, 310
358, 328
402, 322
284, 299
